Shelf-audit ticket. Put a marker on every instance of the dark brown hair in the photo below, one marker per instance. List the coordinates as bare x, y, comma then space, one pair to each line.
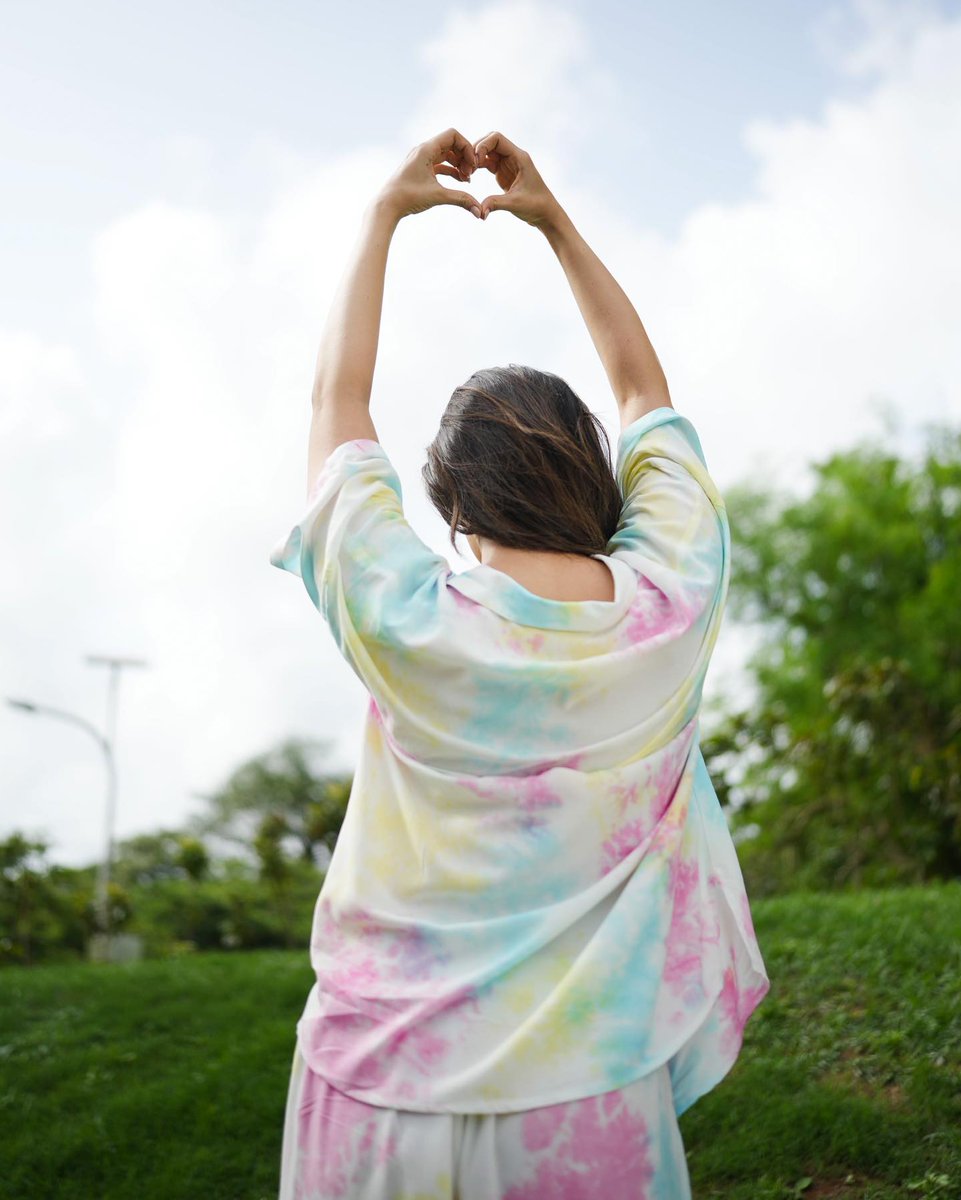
519, 458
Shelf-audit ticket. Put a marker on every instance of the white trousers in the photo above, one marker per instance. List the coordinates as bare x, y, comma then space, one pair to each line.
619, 1145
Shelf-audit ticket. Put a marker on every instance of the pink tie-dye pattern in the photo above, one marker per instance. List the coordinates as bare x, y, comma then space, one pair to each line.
735, 1005
328, 1166
375, 1002
651, 612
590, 1149
655, 616
464, 603
692, 930
361, 1042
528, 795
623, 841
529, 643
664, 783
535, 793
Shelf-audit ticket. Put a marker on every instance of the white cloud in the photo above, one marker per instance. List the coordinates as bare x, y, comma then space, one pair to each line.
524, 68
864, 38
144, 515
37, 384
833, 284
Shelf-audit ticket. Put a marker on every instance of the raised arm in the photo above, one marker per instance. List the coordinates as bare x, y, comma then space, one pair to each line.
343, 376
625, 350
633, 368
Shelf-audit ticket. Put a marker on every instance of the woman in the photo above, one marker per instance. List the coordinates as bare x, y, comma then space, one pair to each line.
533, 948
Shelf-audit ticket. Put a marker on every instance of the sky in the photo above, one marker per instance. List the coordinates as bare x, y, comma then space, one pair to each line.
775, 186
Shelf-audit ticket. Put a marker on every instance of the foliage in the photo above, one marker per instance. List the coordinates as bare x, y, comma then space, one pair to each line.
164, 854
280, 783
46, 912
275, 870
846, 768
168, 887
232, 910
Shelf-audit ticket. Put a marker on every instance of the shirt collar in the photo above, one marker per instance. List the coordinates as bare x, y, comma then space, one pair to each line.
504, 595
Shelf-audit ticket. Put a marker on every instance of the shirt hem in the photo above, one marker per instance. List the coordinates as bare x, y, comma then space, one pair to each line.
492, 1108
688, 1098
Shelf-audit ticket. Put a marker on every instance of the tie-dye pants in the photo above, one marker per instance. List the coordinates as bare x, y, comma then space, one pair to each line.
620, 1145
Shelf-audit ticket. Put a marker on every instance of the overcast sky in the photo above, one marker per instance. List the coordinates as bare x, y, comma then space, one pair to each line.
775, 185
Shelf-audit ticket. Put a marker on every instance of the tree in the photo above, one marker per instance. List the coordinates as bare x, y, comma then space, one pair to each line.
193, 857
281, 782
24, 895
846, 768
165, 854
274, 866
47, 912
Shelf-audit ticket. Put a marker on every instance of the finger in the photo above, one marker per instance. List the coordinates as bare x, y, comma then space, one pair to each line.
491, 161
502, 200
461, 170
461, 199
444, 169
496, 144
452, 146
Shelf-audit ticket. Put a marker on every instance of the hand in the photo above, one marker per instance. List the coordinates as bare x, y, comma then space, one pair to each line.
525, 194
414, 187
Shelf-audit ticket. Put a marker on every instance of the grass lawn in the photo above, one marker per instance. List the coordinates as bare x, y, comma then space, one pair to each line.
166, 1080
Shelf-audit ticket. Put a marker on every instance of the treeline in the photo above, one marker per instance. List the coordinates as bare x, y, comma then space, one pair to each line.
243, 875
844, 770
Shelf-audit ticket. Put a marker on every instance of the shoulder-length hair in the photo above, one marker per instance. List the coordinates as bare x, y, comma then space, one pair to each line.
520, 459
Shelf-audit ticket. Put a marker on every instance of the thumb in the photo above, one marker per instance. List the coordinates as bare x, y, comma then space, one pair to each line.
502, 200
461, 199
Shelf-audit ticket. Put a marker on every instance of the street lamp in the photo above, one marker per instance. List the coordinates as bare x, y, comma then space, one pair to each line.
114, 663
103, 874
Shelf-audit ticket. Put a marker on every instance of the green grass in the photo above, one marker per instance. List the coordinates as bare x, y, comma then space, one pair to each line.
166, 1080
850, 1074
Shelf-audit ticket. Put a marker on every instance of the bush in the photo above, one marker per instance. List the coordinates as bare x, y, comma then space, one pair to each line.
228, 913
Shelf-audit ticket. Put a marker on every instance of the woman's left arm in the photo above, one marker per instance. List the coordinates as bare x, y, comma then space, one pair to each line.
340, 397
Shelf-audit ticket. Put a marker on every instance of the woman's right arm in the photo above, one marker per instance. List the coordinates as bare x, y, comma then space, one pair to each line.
633, 368
625, 350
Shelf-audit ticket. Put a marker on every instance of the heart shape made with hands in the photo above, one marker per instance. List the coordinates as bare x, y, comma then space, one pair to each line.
493, 153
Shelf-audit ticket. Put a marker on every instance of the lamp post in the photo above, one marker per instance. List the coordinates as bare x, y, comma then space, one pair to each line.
103, 875
114, 663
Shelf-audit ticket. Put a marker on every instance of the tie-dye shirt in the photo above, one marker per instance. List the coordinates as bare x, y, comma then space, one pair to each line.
534, 896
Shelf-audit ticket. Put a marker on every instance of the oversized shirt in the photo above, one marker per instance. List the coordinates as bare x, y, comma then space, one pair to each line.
534, 896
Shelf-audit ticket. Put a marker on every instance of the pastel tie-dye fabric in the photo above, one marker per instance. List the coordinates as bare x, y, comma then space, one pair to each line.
617, 1144
535, 896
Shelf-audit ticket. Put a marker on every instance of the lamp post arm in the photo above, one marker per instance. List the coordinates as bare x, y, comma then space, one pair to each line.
103, 873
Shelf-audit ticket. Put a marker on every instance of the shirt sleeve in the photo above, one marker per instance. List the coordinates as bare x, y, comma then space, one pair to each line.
673, 526
375, 582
